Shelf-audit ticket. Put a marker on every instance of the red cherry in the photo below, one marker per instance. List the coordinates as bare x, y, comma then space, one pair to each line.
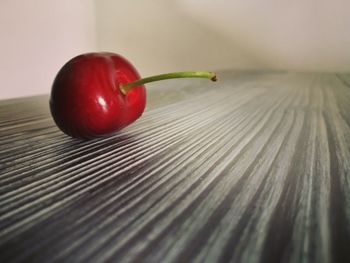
96, 94
86, 99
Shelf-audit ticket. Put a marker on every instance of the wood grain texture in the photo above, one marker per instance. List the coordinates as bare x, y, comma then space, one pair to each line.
255, 168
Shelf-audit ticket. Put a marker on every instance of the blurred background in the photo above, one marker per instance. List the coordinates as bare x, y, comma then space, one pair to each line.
39, 36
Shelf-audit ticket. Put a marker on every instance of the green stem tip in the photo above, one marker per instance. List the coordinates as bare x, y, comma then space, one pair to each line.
175, 75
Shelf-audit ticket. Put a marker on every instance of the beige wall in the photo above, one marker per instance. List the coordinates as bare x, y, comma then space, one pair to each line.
38, 36
160, 36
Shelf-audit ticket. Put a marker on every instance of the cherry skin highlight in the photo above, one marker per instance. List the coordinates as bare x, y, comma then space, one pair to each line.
86, 99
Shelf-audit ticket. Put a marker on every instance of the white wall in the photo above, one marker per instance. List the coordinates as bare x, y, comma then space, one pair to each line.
302, 35
37, 37
166, 35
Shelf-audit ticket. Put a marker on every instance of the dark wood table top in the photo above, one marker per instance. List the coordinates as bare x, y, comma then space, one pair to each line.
253, 168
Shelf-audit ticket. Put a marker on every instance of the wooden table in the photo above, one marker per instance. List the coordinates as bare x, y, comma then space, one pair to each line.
253, 168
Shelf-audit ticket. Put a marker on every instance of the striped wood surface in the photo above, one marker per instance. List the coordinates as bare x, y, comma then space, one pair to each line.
253, 168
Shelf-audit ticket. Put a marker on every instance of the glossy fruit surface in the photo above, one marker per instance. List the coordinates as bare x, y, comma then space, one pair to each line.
86, 100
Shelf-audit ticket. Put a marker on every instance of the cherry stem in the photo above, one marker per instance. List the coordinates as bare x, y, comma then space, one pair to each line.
175, 75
